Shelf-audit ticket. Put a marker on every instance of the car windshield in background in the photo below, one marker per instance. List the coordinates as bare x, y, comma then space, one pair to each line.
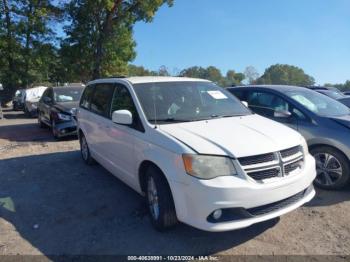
319, 104
187, 101
333, 94
67, 94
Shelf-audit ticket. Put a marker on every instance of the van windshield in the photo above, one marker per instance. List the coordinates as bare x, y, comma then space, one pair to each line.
167, 102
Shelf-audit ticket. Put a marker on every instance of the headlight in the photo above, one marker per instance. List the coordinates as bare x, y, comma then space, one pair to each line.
305, 146
64, 117
208, 167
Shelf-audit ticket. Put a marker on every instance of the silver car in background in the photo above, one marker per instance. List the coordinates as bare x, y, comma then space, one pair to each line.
323, 121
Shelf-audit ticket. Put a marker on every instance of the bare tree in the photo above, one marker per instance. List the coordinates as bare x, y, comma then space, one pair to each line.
251, 74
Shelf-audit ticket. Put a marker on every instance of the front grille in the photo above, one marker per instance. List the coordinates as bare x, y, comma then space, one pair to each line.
290, 151
274, 164
289, 168
265, 174
252, 160
261, 210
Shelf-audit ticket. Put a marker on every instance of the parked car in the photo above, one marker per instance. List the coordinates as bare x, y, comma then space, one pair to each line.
31, 100
324, 122
1, 114
19, 99
336, 95
347, 93
195, 151
332, 88
57, 108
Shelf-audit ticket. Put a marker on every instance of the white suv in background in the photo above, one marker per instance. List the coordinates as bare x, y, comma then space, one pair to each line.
195, 151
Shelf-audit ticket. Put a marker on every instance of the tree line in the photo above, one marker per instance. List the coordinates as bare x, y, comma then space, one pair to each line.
97, 41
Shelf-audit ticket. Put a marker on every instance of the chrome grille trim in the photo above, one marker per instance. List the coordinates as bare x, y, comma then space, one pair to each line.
267, 170
286, 153
257, 159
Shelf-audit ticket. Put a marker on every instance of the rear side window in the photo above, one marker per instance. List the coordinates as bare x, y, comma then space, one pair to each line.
101, 99
86, 97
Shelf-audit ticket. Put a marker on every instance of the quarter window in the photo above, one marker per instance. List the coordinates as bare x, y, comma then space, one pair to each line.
122, 100
101, 99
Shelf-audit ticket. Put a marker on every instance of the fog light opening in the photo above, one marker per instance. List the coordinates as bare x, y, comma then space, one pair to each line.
217, 214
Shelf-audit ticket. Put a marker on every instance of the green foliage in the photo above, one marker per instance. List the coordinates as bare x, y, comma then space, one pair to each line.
134, 70
27, 42
101, 32
214, 74
285, 75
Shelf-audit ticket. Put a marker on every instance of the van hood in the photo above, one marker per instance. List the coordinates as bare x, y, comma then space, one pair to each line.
235, 136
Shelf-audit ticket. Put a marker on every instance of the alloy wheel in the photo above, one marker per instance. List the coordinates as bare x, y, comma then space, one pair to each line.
329, 169
153, 202
84, 149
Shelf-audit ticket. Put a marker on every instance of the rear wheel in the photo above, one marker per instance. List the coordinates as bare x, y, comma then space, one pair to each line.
85, 151
160, 201
333, 168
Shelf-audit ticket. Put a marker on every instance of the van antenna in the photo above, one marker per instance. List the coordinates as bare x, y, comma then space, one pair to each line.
155, 110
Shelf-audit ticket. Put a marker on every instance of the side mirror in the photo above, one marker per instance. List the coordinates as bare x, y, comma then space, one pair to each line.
122, 117
282, 114
245, 103
47, 100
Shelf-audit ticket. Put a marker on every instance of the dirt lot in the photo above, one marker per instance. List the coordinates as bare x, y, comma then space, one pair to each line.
51, 203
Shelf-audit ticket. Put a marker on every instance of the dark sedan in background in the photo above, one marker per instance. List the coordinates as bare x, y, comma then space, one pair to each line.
324, 122
57, 107
337, 95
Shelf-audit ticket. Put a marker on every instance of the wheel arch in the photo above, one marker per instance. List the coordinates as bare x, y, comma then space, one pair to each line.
142, 173
311, 147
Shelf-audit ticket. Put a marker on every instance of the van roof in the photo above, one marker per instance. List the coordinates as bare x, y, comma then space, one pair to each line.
150, 79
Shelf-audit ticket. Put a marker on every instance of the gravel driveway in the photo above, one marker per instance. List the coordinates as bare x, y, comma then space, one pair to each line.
51, 203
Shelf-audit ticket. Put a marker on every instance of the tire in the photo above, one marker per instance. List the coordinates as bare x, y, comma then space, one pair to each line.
41, 124
333, 168
53, 130
159, 200
85, 151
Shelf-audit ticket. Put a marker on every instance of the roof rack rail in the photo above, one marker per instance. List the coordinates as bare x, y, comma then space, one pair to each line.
116, 77
108, 77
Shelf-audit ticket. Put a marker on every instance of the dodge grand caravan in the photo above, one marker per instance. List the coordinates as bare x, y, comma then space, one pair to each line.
195, 151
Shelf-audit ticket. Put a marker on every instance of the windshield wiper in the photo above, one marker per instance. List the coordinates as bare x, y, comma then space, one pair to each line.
169, 120
224, 116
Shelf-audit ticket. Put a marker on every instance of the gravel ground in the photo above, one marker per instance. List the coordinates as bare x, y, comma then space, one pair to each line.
53, 204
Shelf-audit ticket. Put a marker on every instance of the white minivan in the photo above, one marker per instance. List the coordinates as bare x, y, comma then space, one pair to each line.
195, 151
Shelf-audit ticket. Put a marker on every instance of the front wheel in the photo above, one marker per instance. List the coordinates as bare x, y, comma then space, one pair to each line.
53, 129
40, 122
160, 201
333, 168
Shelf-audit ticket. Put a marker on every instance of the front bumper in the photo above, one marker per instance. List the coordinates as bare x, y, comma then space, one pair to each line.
68, 128
198, 199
